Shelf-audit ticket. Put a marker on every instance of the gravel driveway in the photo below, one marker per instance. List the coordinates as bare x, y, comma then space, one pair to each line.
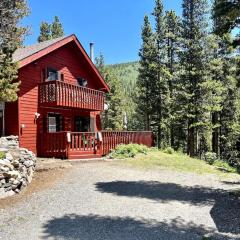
107, 201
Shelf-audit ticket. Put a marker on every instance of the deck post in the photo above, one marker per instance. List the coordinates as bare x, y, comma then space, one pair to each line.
68, 144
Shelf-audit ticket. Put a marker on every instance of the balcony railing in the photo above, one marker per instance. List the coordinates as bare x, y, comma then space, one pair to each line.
57, 93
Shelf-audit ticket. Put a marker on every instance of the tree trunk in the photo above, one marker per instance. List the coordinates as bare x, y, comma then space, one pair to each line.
191, 141
215, 134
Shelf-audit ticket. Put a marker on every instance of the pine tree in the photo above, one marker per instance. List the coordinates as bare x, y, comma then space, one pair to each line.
173, 37
45, 32
57, 28
225, 18
194, 75
226, 14
51, 31
147, 75
161, 93
113, 117
11, 37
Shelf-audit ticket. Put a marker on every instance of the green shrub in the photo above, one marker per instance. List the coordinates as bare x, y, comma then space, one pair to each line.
2, 155
128, 151
169, 150
224, 166
210, 157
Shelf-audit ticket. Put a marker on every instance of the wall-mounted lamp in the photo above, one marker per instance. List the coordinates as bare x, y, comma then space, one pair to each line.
37, 115
23, 126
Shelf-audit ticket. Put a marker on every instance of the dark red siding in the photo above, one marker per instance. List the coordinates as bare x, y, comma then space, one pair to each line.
69, 62
11, 118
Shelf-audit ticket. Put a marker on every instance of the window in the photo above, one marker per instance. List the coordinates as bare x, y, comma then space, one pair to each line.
62, 77
52, 74
82, 82
55, 123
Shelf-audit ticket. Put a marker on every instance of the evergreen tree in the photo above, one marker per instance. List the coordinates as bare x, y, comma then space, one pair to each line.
173, 37
57, 28
11, 37
113, 117
51, 31
147, 75
194, 75
226, 14
45, 32
161, 93
229, 115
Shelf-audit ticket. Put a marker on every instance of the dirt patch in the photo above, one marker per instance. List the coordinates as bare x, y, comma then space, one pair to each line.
46, 175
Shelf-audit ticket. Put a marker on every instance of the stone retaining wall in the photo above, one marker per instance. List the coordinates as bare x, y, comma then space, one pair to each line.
17, 166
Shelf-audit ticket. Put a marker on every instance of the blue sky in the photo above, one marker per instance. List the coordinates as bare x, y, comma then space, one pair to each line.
114, 26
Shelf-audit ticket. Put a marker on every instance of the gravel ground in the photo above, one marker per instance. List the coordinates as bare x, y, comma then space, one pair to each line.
107, 201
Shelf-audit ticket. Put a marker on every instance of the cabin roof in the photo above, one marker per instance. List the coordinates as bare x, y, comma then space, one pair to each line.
27, 51
29, 54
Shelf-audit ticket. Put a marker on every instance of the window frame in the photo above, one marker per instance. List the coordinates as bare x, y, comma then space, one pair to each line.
81, 79
51, 69
58, 123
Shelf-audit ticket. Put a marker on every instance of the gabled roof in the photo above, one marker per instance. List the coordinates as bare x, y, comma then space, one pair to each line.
27, 51
29, 54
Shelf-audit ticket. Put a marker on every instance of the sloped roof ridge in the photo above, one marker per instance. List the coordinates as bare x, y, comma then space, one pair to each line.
27, 51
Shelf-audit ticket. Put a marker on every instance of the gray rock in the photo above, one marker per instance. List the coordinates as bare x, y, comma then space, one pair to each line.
3, 181
5, 150
6, 163
28, 163
9, 156
17, 190
4, 169
12, 174
8, 189
15, 163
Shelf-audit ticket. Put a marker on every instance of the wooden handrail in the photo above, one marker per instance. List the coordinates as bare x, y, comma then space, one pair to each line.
65, 94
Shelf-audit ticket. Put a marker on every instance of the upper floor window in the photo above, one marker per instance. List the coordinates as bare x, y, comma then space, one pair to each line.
52, 74
82, 82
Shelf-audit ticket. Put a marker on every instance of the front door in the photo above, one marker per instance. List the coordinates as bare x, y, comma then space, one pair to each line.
82, 124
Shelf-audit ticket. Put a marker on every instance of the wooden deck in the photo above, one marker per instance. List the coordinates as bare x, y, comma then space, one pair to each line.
57, 93
82, 145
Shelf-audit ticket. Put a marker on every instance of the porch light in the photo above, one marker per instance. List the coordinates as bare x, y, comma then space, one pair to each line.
37, 115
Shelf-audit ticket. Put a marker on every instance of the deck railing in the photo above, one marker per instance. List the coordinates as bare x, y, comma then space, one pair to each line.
57, 93
53, 145
83, 141
68, 144
111, 139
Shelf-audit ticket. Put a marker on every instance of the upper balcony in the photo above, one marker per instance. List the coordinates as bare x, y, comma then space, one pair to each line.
57, 93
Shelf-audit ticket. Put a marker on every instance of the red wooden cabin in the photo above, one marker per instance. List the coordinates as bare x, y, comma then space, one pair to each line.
60, 100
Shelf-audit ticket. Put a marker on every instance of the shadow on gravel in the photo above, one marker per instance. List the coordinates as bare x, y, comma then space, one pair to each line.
225, 212
95, 227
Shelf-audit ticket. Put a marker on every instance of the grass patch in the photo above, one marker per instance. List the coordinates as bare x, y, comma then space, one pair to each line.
224, 166
180, 162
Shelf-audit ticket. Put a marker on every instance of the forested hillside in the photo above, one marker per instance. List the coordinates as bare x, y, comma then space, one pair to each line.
185, 88
127, 73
